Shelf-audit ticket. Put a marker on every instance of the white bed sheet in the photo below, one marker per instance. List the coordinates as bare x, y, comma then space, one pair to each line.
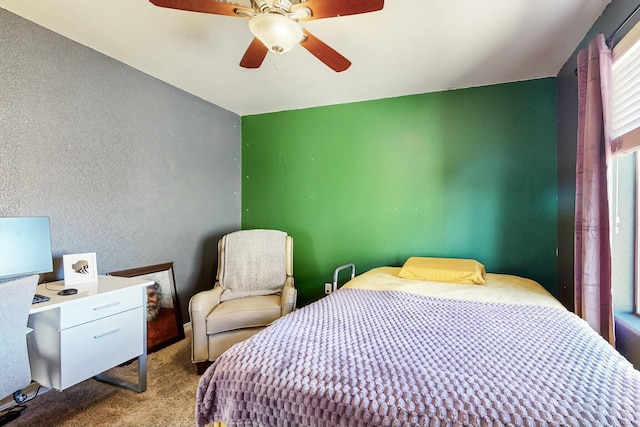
500, 288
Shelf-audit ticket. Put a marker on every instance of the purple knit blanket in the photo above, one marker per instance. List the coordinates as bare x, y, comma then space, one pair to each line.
387, 358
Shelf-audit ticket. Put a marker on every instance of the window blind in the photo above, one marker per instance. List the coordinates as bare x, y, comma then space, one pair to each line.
625, 95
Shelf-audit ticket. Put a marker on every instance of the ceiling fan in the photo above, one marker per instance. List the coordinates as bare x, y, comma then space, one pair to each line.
274, 24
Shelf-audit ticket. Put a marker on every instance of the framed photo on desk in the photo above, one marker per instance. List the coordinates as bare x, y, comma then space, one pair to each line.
164, 317
79, 269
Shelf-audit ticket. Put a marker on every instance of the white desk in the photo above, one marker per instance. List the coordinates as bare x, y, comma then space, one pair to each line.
79, 336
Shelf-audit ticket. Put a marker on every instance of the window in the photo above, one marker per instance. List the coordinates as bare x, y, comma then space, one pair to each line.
623, 226
625, 99
625, 172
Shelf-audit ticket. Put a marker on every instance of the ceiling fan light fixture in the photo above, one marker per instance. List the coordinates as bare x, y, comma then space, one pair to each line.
277, 32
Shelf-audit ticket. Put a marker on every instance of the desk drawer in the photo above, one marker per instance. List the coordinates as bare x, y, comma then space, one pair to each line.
105, 343
95, 307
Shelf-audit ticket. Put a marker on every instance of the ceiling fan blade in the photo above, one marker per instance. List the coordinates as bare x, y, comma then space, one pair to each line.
324, 53
204, 6
254, 55
330, 9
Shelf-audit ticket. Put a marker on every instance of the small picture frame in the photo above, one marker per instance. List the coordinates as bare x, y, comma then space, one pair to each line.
164, 317
79, 269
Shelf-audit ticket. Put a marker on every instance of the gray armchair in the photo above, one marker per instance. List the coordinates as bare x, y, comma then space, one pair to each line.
15, 301
254, 287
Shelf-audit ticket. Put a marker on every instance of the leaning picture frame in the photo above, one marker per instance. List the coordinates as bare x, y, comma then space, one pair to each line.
164, 317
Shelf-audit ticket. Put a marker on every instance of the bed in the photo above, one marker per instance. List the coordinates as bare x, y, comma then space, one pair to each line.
388, 351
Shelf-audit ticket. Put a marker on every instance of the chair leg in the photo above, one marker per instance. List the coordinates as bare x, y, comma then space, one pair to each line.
202, 366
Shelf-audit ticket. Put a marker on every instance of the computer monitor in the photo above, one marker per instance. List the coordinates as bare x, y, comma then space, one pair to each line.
25, 246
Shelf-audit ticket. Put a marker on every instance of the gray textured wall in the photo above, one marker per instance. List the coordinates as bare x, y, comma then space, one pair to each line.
615, 13
126, 166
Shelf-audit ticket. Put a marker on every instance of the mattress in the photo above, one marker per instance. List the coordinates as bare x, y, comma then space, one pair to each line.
383, 352
500, 288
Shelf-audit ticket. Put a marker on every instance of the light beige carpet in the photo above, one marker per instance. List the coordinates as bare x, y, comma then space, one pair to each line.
168, 401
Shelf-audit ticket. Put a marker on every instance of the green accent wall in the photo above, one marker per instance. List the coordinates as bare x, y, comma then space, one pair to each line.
468, 173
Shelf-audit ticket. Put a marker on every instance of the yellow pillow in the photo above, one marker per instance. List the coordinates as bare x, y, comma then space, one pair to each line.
451, 270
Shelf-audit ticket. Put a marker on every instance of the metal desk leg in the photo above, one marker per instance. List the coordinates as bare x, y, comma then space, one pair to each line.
140, 387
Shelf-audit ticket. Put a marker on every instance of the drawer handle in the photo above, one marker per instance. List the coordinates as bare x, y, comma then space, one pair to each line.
104, 334
102, 307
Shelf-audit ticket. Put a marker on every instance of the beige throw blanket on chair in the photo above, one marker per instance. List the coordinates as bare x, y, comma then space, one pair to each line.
253, 263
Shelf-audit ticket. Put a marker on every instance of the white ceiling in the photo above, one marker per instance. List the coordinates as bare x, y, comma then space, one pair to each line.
409, 47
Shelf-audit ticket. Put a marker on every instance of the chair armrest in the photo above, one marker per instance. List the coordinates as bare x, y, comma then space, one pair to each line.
200, 305
289, 296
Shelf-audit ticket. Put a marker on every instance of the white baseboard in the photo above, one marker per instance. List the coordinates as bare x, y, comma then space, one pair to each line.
187, 327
